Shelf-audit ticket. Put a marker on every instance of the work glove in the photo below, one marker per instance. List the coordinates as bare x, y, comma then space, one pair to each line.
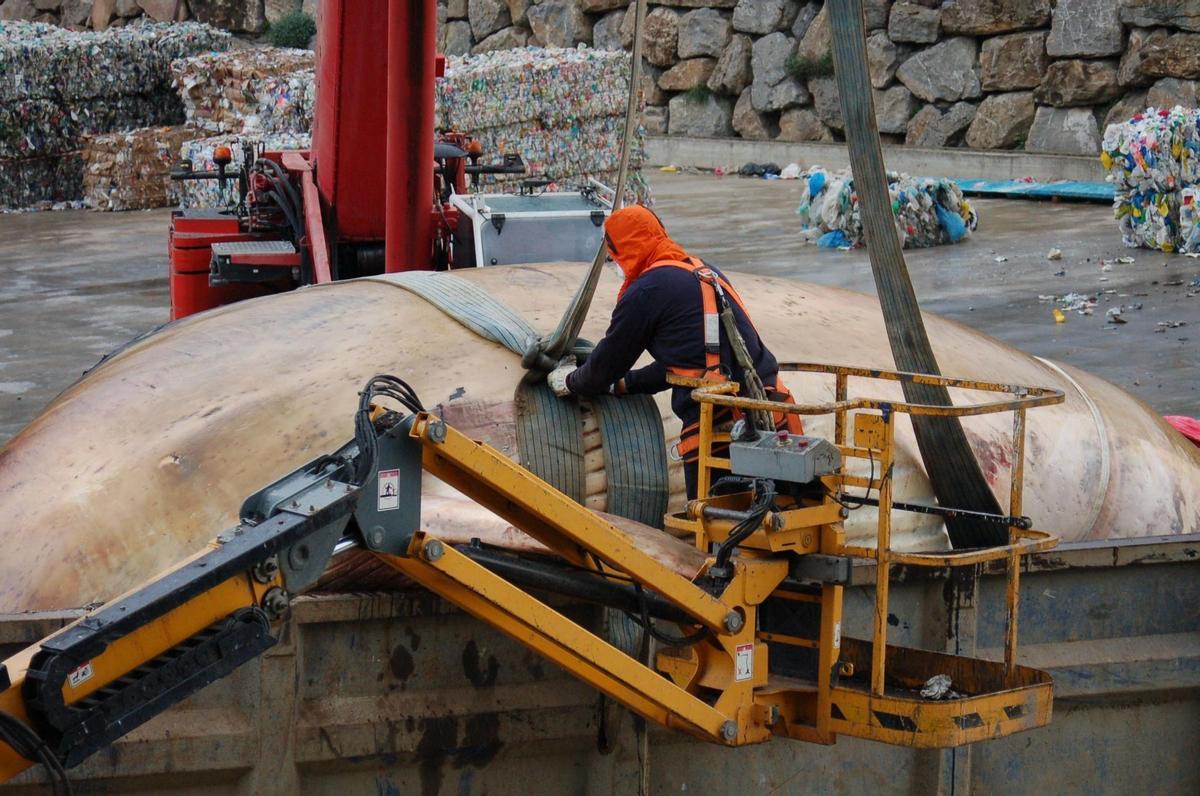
557, 379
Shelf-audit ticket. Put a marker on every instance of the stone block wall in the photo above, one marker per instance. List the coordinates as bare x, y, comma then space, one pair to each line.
239, 16
1042, 75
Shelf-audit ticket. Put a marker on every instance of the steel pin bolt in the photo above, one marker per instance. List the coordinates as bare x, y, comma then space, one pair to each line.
437, 431
733, 621
377, 536
729, 731
433, 550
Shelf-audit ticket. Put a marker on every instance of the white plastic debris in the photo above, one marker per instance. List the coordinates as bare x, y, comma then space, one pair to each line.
938, 687
790, 172
1054, 254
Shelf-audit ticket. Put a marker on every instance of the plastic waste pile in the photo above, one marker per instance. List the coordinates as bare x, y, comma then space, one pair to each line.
562, 110
199, 151
1153, 162
928, 211
130, 170
261, 90
58, 86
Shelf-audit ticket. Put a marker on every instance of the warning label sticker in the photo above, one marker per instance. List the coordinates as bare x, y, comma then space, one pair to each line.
743, 662
389, 490
81, 675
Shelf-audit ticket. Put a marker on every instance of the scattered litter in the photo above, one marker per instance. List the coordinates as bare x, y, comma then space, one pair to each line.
1001, 259
1054, 254
790, 172
1125, 260
1162, 326
1058, 316
1061, 272
938, 687
1113, 315
671, 169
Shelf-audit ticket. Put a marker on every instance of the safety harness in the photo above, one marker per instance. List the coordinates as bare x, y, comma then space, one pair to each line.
715, 291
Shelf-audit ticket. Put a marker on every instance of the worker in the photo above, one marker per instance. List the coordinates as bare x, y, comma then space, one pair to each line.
664, 306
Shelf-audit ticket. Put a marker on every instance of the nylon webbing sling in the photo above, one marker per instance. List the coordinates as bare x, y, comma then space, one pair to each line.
550, 429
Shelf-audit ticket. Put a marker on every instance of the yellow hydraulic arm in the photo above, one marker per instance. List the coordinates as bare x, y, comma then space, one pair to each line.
777, 548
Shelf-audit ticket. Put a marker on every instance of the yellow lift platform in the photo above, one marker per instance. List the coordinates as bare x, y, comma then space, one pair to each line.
759, 650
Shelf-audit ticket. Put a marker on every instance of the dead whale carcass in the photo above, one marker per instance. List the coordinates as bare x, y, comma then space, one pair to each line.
147, 457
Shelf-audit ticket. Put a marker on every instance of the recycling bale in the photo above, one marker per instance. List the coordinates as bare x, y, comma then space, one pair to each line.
928, 211
561, 109
259, 90
58, 87
1153, 163
131, 170
198, 152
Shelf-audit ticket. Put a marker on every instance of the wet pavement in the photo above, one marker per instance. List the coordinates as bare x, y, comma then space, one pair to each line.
76, 285
750, 225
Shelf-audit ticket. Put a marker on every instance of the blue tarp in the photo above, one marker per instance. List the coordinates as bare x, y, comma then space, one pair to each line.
1061, 189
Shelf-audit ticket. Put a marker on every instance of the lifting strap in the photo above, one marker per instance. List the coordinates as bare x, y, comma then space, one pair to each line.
550, 429
542, 356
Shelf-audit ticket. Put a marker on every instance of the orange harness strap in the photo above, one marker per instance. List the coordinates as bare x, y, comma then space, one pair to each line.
689, 439
712, 318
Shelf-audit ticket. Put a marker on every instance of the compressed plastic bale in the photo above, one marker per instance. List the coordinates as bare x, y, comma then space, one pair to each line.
58, 86
265, 89
45, 61
1151, 159
27, 182
38, 127
927, 211
549, 85
562, 110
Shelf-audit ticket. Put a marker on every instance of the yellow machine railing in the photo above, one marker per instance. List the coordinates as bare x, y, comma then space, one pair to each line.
873, 440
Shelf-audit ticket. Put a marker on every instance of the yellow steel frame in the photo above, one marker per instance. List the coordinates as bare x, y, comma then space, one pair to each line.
717, 689
129, 652
1021, 698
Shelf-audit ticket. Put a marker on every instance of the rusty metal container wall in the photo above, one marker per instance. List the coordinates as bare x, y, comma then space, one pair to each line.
401, 693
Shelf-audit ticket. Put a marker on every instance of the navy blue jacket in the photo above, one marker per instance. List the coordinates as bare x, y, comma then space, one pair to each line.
662, 312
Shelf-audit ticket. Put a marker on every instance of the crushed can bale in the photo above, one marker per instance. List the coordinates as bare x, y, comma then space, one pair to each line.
199, 153
58, 86
561, 109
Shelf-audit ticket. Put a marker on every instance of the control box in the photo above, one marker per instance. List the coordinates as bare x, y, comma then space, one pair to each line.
784, 457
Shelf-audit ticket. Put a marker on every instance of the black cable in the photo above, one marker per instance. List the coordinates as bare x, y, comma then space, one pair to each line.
29, 745
648, 624
380, 385
293, 197
764, 500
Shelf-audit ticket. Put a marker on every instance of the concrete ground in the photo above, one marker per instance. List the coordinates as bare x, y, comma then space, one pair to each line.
74, 285
750, 225
77, 285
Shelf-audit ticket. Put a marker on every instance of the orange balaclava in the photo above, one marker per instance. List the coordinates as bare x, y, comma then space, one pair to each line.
636, 240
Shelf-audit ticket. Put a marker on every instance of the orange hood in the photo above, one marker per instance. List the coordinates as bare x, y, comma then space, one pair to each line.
636, 240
